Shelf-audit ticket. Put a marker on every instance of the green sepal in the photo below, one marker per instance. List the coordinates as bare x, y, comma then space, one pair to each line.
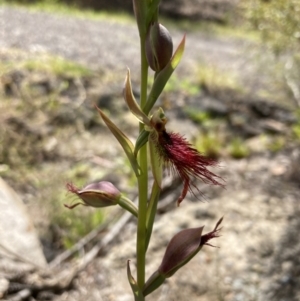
141, 141
134, 286
163, 76
153, 283
124, 141
131, 102
155, 161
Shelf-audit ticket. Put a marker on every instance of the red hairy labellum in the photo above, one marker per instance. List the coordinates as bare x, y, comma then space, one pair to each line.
176, 152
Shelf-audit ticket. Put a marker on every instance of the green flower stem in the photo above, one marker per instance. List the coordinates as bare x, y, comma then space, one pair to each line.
140, 7
142, 213
142, 182
128, 205
151, 212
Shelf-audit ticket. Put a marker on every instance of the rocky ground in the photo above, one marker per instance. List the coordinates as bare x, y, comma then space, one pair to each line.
51, 118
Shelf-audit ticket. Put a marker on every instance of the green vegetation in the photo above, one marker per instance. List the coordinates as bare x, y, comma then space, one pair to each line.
54, 65
214, 139
40, 144
57, 66
74, 224
186, 86
277, 143
238, 149
214, 80
296, 126
296, 130
36, 150
56, 6
278, 23
198, 116
210, 144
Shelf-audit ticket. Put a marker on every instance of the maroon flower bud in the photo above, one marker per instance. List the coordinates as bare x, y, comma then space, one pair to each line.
101, 194
180, 250
159, 47
184, 246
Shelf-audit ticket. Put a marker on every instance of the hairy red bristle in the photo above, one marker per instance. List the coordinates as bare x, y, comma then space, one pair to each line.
186, 161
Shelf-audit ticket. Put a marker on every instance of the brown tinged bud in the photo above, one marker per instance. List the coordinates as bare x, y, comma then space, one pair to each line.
159, 46
180, 250
184, 246
101, 194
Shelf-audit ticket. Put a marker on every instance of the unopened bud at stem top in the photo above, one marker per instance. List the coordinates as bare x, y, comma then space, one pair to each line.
159, 47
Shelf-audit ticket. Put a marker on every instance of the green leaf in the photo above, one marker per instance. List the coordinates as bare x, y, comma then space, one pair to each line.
140, 10
163, 76
141, 141
123, 140
134, 286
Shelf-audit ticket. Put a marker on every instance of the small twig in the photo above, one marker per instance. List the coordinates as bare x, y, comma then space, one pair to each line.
294, 88
63, 280
21, 295
115, 230
79, 245
82, 92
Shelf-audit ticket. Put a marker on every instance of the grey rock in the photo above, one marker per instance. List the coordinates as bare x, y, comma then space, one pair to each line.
18, 238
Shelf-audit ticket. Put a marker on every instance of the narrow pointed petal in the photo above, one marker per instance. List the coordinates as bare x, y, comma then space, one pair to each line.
123, 140
131, 102
163, 77
73, 206
212, 234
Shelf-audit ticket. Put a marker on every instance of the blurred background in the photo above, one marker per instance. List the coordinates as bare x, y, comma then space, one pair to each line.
235, 95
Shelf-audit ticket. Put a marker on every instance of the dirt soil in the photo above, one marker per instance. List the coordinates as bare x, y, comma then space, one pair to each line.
259, 252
